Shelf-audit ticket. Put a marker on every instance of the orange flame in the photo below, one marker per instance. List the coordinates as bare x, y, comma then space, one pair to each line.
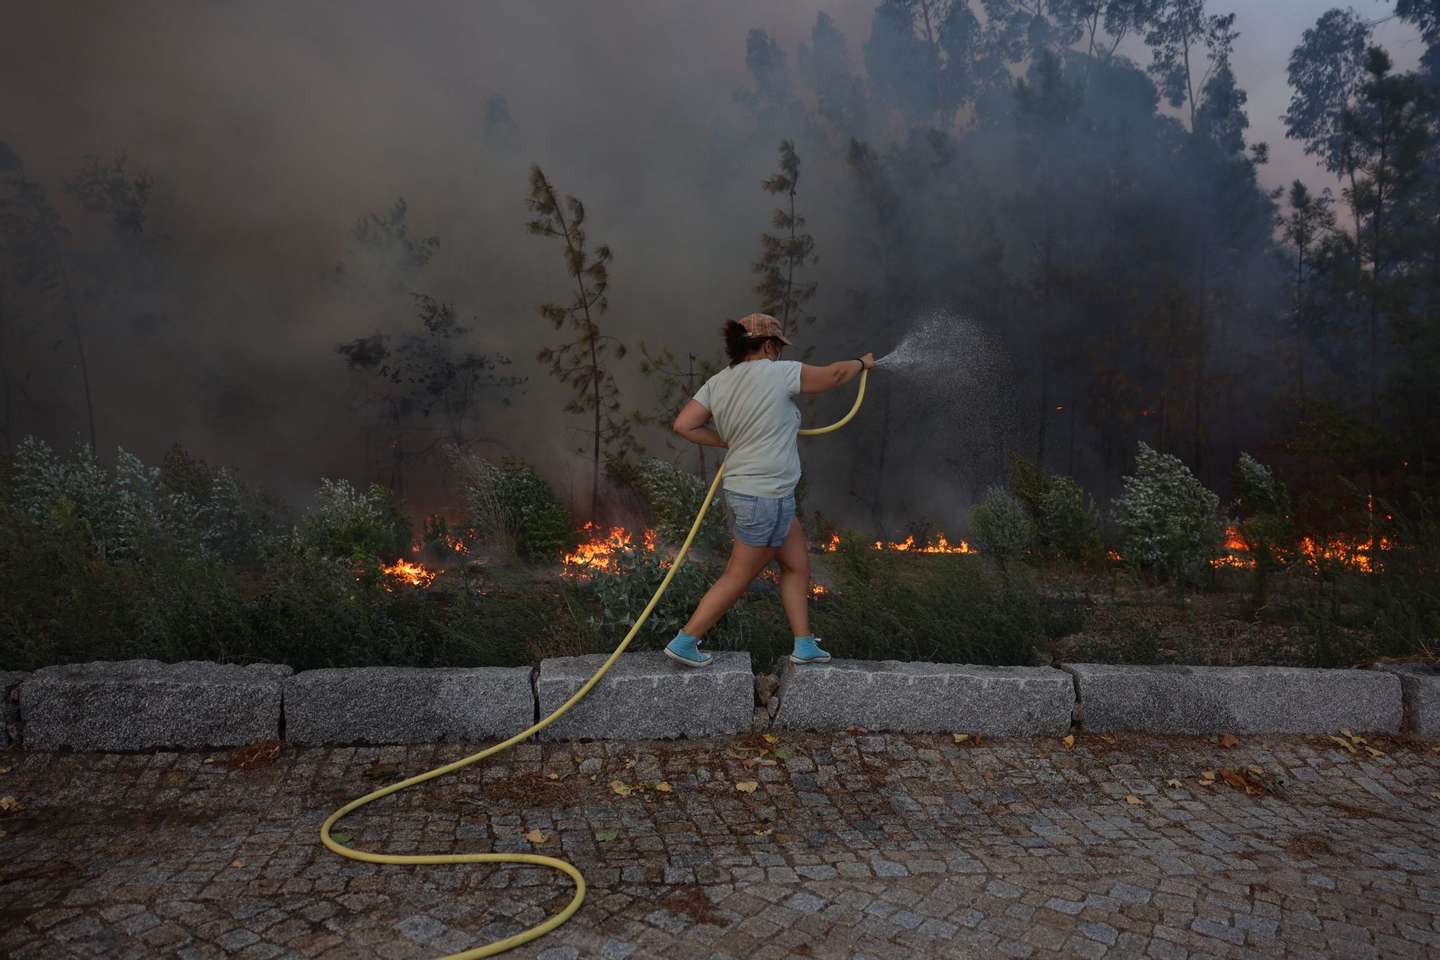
1237, 554
1349, 552
415, 574
601, 550
939, 545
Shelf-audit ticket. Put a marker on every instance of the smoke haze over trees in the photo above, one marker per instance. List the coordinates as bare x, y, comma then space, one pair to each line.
192, 250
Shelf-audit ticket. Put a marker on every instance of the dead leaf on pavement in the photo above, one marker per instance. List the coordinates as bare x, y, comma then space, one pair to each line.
764, 831
9, 805
1107, 738
237, 864
620, 788
771, 738
1229, 741
6, 769
1207, 777
383, 771
536, 836
663, 786
1176, 784
960, 737
1344, 743
1069, 741
552, 776
1375, 753
747, 786
255, 755
1133, 800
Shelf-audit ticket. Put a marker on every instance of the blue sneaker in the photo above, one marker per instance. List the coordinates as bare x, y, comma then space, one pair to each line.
807, 650
684, 650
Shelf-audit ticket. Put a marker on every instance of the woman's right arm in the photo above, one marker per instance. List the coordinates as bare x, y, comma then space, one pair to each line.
830, 376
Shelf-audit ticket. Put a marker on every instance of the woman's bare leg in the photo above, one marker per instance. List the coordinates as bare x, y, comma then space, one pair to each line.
794, 559
745, 565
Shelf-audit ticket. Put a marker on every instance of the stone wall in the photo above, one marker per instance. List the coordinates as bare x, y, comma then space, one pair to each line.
142, 704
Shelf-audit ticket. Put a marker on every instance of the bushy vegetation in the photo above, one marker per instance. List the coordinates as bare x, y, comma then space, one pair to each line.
1002, 526
1167, 518
1069, 527
671, 496
511, 505
184, 562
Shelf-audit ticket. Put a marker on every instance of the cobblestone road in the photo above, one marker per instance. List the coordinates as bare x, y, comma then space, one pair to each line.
851, 845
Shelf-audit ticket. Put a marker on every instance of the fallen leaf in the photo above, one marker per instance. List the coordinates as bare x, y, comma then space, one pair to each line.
255, 755
1069, 741
9, 805
1375, 753
1229, 741
1107, 738
605, 836
552, 776
1434, 795
1435, 749
1347, 733
1255, 769
208, 760
620, 788
383, 771
1133, 800
340, 837
1234, 778
663, 786
747, 786
960, 737
536, 836
6, 769
1176, 784
1207, 777
237, 864
771, 738
1344, 743
764, 831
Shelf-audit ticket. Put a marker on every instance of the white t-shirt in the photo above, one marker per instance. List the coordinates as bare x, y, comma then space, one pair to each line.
754, 410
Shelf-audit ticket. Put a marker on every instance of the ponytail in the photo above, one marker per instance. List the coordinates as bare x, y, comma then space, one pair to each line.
738, 343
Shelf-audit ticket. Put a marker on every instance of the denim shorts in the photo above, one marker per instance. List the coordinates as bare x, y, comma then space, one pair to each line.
760, 521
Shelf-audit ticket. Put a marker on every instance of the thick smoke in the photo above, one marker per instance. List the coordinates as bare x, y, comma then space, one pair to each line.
270, 129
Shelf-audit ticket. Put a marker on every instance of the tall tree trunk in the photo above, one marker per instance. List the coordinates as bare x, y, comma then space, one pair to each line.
595, 457
79, 348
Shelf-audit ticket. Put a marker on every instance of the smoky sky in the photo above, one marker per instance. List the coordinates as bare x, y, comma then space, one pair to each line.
271, 127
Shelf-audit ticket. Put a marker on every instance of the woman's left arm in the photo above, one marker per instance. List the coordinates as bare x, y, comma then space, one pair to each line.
691, 424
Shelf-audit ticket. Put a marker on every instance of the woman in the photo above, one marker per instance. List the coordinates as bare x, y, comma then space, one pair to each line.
753, 407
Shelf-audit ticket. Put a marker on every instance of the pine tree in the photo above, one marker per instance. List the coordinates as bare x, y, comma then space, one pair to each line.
782, 252
581, 364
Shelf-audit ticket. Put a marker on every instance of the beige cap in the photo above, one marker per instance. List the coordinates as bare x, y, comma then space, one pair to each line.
763, 325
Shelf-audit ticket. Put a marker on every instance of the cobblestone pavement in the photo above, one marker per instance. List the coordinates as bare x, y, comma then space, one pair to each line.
850, 845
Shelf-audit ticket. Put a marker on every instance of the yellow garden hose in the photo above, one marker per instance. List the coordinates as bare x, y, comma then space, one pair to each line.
565, 867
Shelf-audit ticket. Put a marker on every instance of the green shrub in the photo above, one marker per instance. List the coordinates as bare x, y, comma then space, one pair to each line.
1001, 526
344, 522
672, 496
1167, 518
1069, 521
510, 504
1265, 525
623, 592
